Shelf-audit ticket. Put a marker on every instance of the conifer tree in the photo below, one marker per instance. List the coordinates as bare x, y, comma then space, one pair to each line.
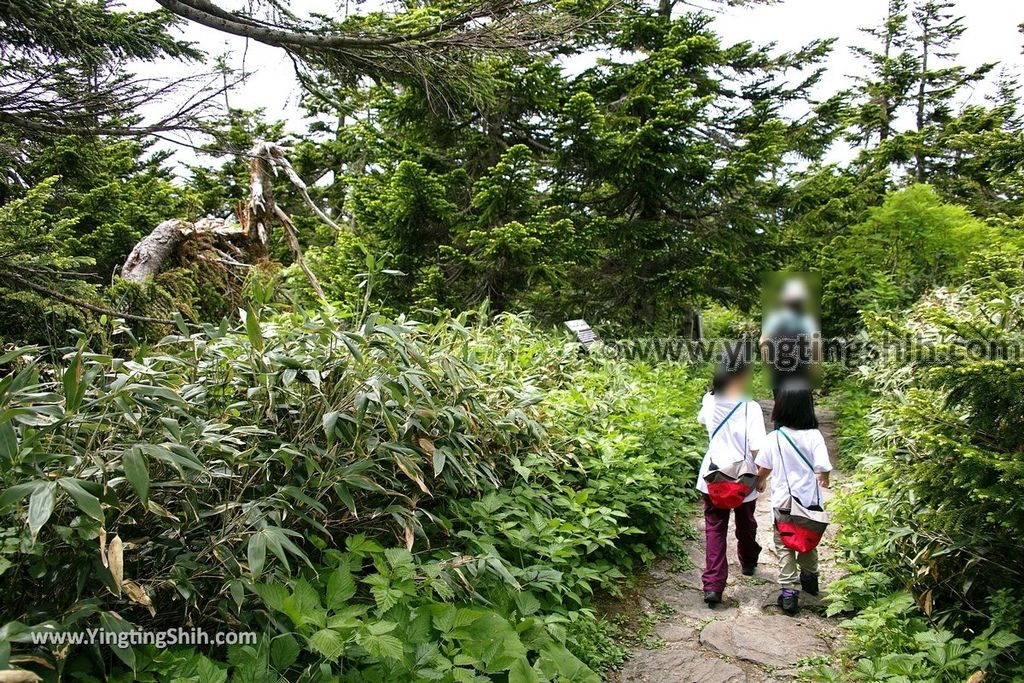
939, 79
886, 87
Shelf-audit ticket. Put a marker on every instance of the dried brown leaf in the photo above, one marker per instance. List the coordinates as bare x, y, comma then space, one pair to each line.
409, 537
137, 594
115, 561
103, 546
412, 474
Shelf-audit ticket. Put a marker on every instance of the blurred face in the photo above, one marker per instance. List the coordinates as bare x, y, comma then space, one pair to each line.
740, 384
796, 291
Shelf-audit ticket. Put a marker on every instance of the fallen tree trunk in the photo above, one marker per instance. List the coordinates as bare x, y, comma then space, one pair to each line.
227, 242
255, 221
150, 254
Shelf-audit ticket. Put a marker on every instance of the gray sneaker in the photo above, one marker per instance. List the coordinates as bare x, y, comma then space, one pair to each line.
789, 601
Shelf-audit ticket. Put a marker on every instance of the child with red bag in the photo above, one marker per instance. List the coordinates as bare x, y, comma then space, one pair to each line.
727, 475
797, 455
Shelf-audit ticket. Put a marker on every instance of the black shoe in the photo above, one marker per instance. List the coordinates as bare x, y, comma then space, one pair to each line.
809, 582
789, 601
749, 569
713, 598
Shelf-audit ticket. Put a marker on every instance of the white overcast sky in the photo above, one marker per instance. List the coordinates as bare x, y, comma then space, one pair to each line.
992, 36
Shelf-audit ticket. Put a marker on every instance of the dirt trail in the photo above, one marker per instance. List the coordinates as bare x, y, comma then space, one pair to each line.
747, 639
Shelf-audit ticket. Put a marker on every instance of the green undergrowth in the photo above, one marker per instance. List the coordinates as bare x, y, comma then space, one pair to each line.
377, 500
852, 399
931, 521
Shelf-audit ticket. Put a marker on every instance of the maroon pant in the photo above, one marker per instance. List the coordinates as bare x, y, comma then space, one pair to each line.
716, 531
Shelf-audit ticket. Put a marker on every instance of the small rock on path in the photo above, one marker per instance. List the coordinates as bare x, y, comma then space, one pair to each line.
746, 639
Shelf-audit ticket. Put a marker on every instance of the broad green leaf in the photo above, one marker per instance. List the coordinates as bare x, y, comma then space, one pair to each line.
136, 471
398, 557
330, 421
352, 344
253, 330
257, 554
71, 381
559, 664
168, 396
115, 624
237, 590
273, 594
439, 458
493, 640
278, 542
284, 650
305, 596
379, 628
179, 460
327, 643
19, 352
527, 603
383, 646
208, 671
360, 545
340, 588
17, 492
347, 617
179, 322
522, 672
40, 506
385, 598
87, 503
8, 442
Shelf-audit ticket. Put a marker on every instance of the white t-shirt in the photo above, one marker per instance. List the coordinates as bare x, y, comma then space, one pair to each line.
738, 438
779, 456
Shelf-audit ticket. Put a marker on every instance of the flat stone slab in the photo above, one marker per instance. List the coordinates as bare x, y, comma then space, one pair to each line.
675, 632
681, 665
686, 602
764, 639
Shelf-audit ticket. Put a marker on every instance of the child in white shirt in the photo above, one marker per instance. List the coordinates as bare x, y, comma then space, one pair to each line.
735, 426
797, 454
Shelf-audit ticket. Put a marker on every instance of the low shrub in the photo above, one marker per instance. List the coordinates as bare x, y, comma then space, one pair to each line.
933, 520
381, 500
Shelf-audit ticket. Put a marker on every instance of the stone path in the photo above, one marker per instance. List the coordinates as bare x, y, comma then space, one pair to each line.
747, 639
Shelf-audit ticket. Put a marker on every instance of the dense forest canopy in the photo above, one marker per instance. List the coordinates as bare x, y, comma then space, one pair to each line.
301, 377
462, 152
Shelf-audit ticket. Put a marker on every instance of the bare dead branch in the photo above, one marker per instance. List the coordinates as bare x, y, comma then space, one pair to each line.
293, 242
149, 255
206, 13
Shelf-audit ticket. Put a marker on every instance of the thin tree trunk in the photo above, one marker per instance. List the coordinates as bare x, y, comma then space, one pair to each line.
919, 154
78, 303
886, 123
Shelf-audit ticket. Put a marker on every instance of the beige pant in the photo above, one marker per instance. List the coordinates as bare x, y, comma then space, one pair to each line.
791, 563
